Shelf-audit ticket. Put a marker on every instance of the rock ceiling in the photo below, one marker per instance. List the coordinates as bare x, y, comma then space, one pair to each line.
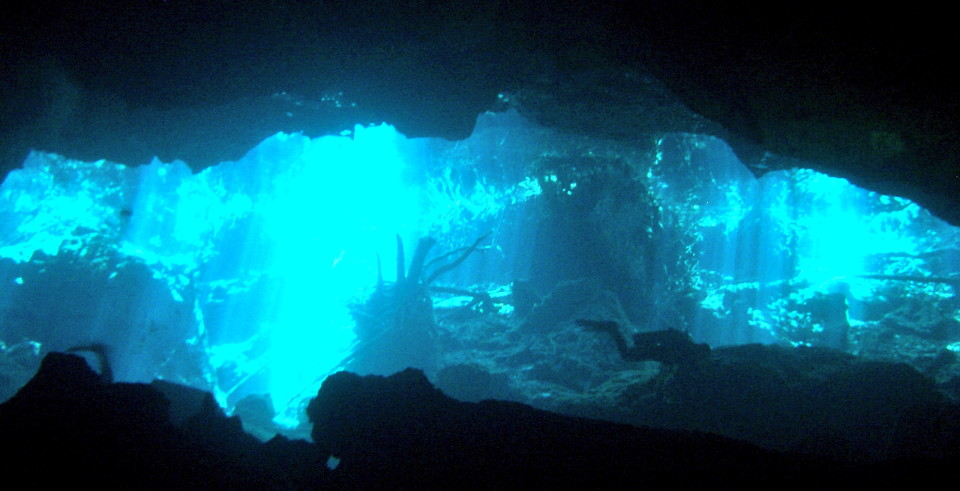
867, 94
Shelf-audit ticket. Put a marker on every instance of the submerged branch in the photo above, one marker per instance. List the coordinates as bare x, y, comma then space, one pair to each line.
419, 256
464, 254
479, 298
401, 260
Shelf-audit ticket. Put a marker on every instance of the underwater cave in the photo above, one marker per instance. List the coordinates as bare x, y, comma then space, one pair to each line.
253, 277
725, 224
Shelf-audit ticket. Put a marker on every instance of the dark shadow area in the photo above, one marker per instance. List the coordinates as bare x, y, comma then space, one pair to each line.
68, 427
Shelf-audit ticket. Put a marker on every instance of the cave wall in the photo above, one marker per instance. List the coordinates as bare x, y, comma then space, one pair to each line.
865, 94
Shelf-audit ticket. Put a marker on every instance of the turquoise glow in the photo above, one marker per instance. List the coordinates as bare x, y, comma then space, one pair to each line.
835, 228
306, 216
768, 246
839, 228
329, 216
265, 251
251, 263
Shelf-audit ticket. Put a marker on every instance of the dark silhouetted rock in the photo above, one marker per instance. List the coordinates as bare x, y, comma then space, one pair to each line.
68, 428
401, 432
864, 93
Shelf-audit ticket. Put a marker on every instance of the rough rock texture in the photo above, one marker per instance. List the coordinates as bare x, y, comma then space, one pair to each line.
865, 93
401, 432
815, 401
67, 427
65, 302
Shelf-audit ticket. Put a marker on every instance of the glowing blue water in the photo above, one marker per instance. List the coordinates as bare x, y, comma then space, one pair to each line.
260, 256
268, 249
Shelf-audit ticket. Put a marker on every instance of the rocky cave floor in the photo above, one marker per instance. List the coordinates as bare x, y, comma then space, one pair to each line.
825, 413
817, 401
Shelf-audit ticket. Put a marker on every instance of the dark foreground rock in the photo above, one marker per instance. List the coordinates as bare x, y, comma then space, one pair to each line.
400, 431
68, 427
